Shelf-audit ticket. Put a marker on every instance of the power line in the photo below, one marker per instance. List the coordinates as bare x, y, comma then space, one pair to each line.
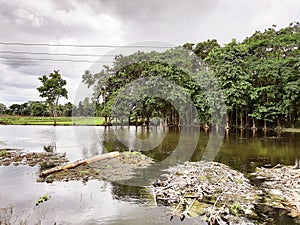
28, 63
55, 60
82, 46
55, 54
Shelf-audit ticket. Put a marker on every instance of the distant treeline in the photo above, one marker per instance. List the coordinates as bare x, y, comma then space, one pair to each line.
259, 78
40, 108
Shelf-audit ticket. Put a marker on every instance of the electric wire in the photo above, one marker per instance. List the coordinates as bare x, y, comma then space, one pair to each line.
81, 45
56, 54
55, 60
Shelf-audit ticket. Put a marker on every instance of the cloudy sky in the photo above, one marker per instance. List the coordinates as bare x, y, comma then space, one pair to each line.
115, 22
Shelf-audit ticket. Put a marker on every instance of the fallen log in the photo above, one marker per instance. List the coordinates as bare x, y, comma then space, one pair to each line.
80, 162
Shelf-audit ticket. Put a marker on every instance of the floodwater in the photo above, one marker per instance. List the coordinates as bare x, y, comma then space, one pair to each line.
105, 202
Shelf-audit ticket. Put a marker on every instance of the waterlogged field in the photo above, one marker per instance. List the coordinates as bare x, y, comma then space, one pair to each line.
107, 202
28, 120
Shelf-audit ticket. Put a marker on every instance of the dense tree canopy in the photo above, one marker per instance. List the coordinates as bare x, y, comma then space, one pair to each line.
259, 78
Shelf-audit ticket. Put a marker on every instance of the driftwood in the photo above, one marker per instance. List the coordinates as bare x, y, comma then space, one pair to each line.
207, 189
80, 162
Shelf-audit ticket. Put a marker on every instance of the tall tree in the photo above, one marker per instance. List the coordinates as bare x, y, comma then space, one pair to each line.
52, 89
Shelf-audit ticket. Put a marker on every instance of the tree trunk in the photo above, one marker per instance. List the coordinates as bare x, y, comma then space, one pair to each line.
80, 162
292, 119
171, 116
143, 118
236, 117
54, 114
253, 132
105, 120
278, 124
241, 120
247, 120
265, 125
227, 121
253, 124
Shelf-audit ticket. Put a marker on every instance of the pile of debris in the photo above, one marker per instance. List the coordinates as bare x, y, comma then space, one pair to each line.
282, 183
210, 190
44, 159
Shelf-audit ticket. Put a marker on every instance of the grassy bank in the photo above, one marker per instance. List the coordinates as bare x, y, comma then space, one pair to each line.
293, 130
28, 120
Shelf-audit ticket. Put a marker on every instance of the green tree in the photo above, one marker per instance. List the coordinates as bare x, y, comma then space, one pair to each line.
203, 49
3, 109
37, 108
229, 66
52, 89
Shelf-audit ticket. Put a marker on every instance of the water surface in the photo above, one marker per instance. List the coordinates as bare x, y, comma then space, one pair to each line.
104, 202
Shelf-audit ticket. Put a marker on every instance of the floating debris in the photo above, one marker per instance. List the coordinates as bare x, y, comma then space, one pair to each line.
282, 183
210, 190
44, 159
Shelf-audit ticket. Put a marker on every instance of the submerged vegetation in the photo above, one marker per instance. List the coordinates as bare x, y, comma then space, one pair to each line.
30, 120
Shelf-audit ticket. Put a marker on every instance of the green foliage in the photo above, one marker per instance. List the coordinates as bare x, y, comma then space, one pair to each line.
84, 172
52, 89
3, 153
42, 199
203, 49
175, 66
236, 209
259, 78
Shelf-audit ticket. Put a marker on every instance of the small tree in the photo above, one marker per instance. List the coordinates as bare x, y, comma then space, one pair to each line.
52, 89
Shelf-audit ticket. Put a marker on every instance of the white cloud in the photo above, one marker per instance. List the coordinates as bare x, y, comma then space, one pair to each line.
24, 16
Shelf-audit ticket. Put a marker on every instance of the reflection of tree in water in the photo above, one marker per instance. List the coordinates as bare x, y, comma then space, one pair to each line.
265, 149
110, 142
167, 146
128, 193
294, 141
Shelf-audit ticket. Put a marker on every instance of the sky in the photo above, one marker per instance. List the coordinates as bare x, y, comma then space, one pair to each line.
116, 23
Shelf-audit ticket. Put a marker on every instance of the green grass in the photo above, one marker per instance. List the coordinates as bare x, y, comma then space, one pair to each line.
293, 130
28, 120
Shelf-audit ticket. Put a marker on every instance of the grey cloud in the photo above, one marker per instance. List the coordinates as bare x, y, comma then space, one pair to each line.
121, 22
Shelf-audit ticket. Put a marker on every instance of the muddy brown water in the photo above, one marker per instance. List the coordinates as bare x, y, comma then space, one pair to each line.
105, 202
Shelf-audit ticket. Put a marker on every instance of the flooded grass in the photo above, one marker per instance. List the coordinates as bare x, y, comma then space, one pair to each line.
28, 120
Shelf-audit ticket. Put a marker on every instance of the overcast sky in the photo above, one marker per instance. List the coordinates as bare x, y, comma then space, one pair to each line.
117, 22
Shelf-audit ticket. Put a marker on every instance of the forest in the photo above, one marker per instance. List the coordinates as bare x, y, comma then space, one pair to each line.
259, 79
